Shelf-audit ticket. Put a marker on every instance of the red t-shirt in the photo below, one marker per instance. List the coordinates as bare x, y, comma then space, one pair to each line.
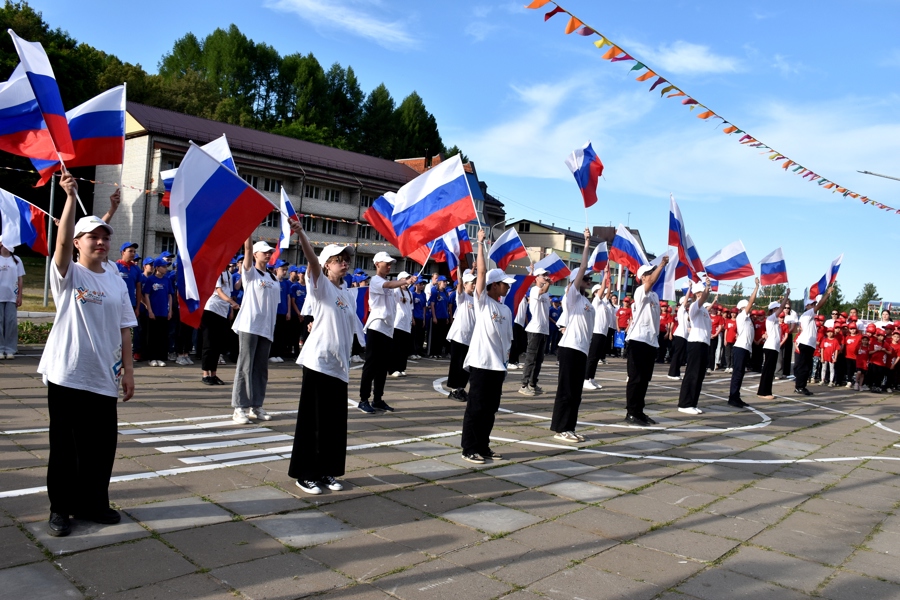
717, 322
730, 331
851, 344
622, 317
829, 349
862, 357
759, 330
664, 321
878, 353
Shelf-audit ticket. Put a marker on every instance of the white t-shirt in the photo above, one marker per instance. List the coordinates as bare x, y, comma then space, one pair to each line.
601, 315
327, 349
682, 329
463, 320
580, 321
403, 313
489, 348
84, 350
215, 304
522, 312
382, 307
773, 333
10, 271
807, 335
644, 318
610, 315
540, 311
791, 318
745, 331
701, 324
262, 294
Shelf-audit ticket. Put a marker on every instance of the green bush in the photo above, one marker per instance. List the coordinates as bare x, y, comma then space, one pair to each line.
31, 333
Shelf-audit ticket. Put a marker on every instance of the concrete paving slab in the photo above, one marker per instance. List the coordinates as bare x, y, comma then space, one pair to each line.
719, 583
606, 523
431, 498
569, 468
257, 501
429, 469
491, 517
432, 536
86, 535
441, 580
615, 479
812, 537
580, 491
778, 568
562, 541
373, 512
17, 549
428, 449
365, 556
586, 582
38, 581
282, 577
481, 485
643, 564
223, 544
525, 475
304, 528
198, 586
693, 545
849, 586
540, 504
179, 514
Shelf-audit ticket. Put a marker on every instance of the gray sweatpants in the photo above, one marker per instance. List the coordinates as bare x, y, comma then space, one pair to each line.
9, 328
252, 371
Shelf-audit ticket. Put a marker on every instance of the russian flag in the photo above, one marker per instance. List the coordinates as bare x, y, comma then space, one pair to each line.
218, 149
587, 169
517, 291
554, 266
665, 285
772, 269
694, 264
731, 262
431, 203
361, 294
678, 237
827, 279
507, 248
599, 259
713, 285
98, 134
833, 270
23, 223
818, 288
22, 128
46, 92
379, 216
212, 211
626, 250
284, 239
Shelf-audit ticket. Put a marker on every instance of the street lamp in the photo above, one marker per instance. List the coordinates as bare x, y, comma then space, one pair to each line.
498, 224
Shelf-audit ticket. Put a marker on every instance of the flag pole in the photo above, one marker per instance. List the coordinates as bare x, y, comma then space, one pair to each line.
430, 250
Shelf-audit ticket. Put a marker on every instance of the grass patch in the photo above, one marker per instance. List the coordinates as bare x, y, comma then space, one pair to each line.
34, 333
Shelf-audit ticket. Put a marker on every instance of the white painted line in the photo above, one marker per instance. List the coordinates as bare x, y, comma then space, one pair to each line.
25, 431
226, 444
171, 428
198, 436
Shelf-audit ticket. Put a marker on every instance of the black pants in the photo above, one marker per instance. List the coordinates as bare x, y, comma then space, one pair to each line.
679, 346
519, 343
713, 348
457, 377
158, 338
728, 355
741, 357
803, 368
768, 372
534, 358
596, 353
83, 432
485, 388
374, 371
401, 348
694, 374
663, 340
144, 321
641, 360
787, 355
552, 340
184, 339
756, 358
568, 390
280, 337
840, 371
418, 336
850, 369
438, 337
611, 337
215, 330
320, 436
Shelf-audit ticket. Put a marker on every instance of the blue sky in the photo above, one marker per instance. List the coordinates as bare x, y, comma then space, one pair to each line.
816, 80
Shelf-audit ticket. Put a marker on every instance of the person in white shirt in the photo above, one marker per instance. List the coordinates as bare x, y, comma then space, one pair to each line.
679, 337
11, 273
643, 343
319, 453
379, 335
86, 359
520, 338
599, 344
403, 322
697, 350
460, 335
255, 327
486, 359
806, 342
573, 352
214, 328
771, 347
743, 347
537, 329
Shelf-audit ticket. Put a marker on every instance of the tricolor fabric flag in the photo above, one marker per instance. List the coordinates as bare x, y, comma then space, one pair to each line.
379, 216
449, 248
554, 266
587, 169
772, 269
213, 211
507, 248
827, 279
218, 149
818, 287
626, 250
517, 291
284, 239
22, 128
713, 285
98, 134
833, 270
694, 265
361, 296
428, 206
23, 223
688, 266
46, 92
665, 285
599, 259
729, 263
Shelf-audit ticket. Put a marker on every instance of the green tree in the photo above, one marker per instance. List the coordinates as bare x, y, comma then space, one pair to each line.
186, 56
867, 294
835, 301
377, 124
453, 152
417, 132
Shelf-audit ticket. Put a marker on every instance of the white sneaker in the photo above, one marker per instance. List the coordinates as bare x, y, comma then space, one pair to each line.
566, 436
240, 416
273, 359
356, 359
257, 412
676, 378
596, 386
690, 410
588, 385
9, 356
160, 363
221, 360
180, 361
187, 360
402, 373
512, 367
396, 374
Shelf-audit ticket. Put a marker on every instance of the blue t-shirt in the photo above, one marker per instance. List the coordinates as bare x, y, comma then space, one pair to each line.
419, 301
236, 294
158, 289
285, 288
555, 313
440, 302
298, 293
451, 299
131, 274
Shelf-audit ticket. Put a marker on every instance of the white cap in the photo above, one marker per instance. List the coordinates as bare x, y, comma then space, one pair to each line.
90, 223
773, 305
495, 275
814, 300
540, 271
468, 276
333, 250
403, 275
698, 287
682, 300
383, 257
262, 247
643, 269
597, 287
743, 304
707, 305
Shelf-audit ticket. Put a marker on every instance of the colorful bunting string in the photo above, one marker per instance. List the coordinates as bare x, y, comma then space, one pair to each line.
616, 53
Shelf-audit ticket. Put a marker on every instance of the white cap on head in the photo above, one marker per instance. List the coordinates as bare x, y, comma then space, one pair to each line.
707, 305
540, 271
743, 304
403, 275
495, 275
773, 305
262, 247
597, 287
333, 250
90, 223
814, 300
383, 257
682, 300
698, 287
644, 269
468, 276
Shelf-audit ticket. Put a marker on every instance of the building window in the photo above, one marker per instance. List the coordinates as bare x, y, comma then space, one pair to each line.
311, 191
365, 232
167, 244
253, 180
472, 231
329, 227
333, 195
309, 224
172, 164
365, 200
273, 219
272, 185
524, 227
361, 262
577, 250
160, 209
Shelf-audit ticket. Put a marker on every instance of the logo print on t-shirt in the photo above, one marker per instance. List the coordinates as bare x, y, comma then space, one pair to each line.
84, 296
341, 304
498, 318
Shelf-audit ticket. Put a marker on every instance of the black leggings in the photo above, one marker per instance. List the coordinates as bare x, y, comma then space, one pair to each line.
568, 390
694, 374
215, 336
485, 388
457, 377
596, 353
374, 371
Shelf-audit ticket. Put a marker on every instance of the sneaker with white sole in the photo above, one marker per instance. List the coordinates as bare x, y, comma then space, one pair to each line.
690, 410
580, 437
674, 377
160, 363
473, 458
240, 416
566, 436
221, 361
527, 390
402, 373
332, 484
272, 359
512, 367
309, 486
257, 412
396, 374
180, 361
588, 385
596, 385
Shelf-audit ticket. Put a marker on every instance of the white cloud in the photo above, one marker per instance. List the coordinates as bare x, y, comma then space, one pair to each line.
481, 12
359, 17
480, 30
685, 58
784, 66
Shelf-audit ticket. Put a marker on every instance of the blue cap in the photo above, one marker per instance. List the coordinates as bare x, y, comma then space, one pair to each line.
160, 262
149, 260
301, 269
292, 269
164, 254
441, 278
128, 245
279, 263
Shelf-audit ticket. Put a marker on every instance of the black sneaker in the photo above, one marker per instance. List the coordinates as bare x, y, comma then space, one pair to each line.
738, 403
309, 486
218, 381
463, 394
382, 405
208, 381
804, 392
492, 455
647, 420
635, 420
365, 407
104, 517
454, 395
472, 457
59, 525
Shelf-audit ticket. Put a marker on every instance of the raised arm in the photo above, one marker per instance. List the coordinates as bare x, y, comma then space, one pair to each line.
752, 298
824, 299
584, 255
313, 268
247, 263
656, 274
704, 295
62, 258
481, 275
785, 300
114, 200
